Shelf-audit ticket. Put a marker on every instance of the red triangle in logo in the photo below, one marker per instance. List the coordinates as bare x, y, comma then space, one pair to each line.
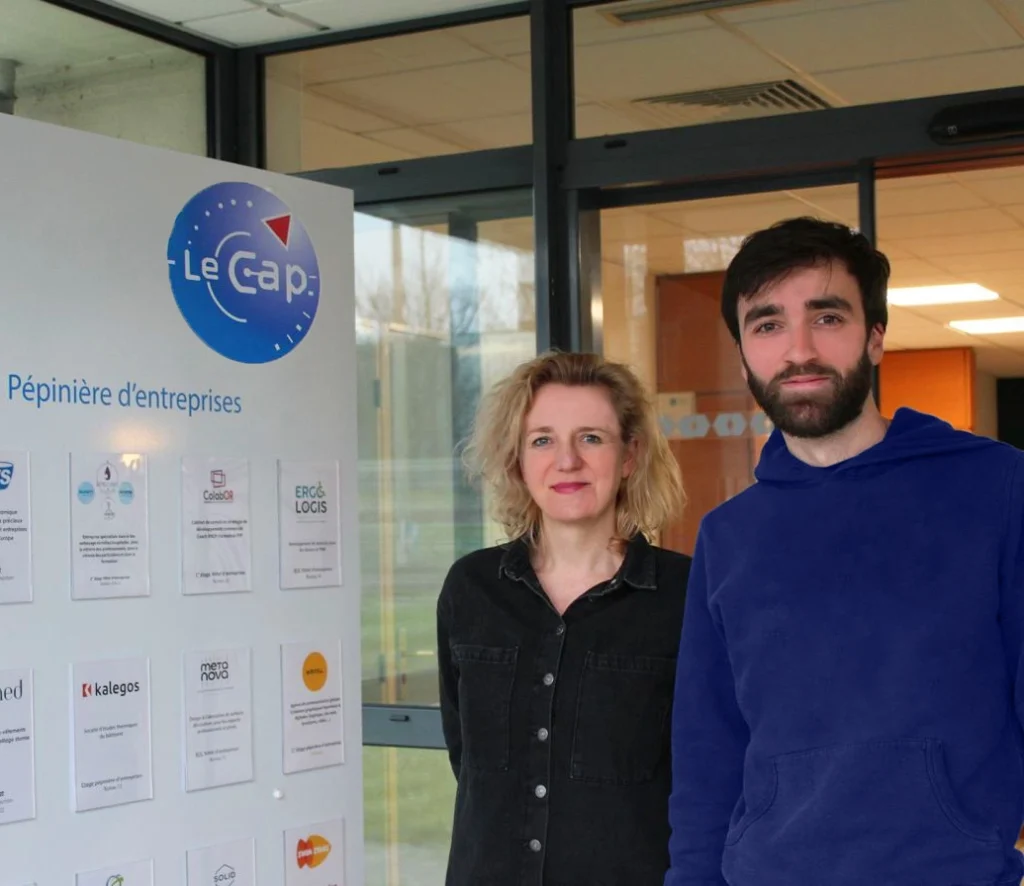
280, 226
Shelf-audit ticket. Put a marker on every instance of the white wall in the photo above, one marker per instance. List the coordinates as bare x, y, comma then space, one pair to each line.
986, 411
157, 100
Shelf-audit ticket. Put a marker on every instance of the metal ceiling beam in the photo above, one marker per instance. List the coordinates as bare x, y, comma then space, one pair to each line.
794, 142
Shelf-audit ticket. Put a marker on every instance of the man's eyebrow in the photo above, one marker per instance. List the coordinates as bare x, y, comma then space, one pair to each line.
759, 312
826, 302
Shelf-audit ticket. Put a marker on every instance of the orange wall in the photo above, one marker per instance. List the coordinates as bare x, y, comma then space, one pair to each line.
939, 381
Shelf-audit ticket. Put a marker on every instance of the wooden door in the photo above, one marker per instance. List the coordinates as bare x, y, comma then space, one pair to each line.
698, 358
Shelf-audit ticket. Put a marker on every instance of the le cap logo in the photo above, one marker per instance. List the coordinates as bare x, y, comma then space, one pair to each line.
314, 671
313, 852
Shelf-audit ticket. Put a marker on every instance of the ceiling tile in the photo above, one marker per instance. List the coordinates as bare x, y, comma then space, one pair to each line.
594, 25
928, 198
880, 33
505, 131
895, 82
734, 220
635, 226
183, 10
340, 115
440, 95
943, 314
599, 119
1011, 260
676, 63
914, 181
1001, 191
939, 224
415, 143
964, 244
509, 37
917, 272
388, 55
1017, 7
788, 9
833, 204
893, 251
245, 28
324, 147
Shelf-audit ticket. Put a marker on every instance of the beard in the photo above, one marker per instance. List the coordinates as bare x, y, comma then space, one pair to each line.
818, 414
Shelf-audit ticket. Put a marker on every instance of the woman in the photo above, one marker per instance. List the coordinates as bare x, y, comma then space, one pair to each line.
557, 650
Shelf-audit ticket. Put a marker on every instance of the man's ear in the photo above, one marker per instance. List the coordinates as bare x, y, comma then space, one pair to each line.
876, 343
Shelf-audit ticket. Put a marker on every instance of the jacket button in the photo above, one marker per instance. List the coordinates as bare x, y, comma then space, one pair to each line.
535, 845
560, 630
549, 679
542, 734
541, 791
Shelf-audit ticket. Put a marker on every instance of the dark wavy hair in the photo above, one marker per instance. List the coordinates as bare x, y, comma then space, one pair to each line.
769, 255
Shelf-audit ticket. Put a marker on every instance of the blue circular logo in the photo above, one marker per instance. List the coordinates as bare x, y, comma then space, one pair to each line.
86, 492
243, 272
126, 493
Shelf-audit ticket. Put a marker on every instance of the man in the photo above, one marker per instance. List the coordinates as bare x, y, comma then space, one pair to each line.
851, 670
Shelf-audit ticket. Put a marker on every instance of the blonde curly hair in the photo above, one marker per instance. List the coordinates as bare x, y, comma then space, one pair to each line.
648, 500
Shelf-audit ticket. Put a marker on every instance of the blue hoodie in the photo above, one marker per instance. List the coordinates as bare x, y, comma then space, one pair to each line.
850, 684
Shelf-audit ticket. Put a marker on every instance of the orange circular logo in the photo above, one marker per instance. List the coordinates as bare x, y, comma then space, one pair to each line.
314, 671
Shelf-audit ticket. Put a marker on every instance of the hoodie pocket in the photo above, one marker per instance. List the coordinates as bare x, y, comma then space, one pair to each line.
852, 814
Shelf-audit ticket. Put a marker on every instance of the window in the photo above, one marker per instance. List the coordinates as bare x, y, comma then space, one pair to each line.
78, 72
410, 800
444, 307
416, 95
956, 242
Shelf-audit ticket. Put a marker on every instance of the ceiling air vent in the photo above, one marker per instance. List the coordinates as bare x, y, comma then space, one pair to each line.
780, 96
638, 13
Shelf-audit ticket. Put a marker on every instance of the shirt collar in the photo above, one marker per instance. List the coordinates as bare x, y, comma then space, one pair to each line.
637, 569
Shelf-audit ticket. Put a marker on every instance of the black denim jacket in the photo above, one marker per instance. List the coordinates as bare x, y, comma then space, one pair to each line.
558, 727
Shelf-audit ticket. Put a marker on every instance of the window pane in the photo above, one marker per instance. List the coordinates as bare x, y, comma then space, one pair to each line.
960, 229
417, 95
637, 71
81, 73
444, 306
662, 269
409, 800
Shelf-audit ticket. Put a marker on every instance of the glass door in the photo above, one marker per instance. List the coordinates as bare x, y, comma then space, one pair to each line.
444, 306
662, 267
954, 236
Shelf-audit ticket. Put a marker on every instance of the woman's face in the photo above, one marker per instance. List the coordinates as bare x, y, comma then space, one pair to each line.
574, 459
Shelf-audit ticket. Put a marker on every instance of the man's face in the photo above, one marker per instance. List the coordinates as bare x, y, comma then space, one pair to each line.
807, 354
